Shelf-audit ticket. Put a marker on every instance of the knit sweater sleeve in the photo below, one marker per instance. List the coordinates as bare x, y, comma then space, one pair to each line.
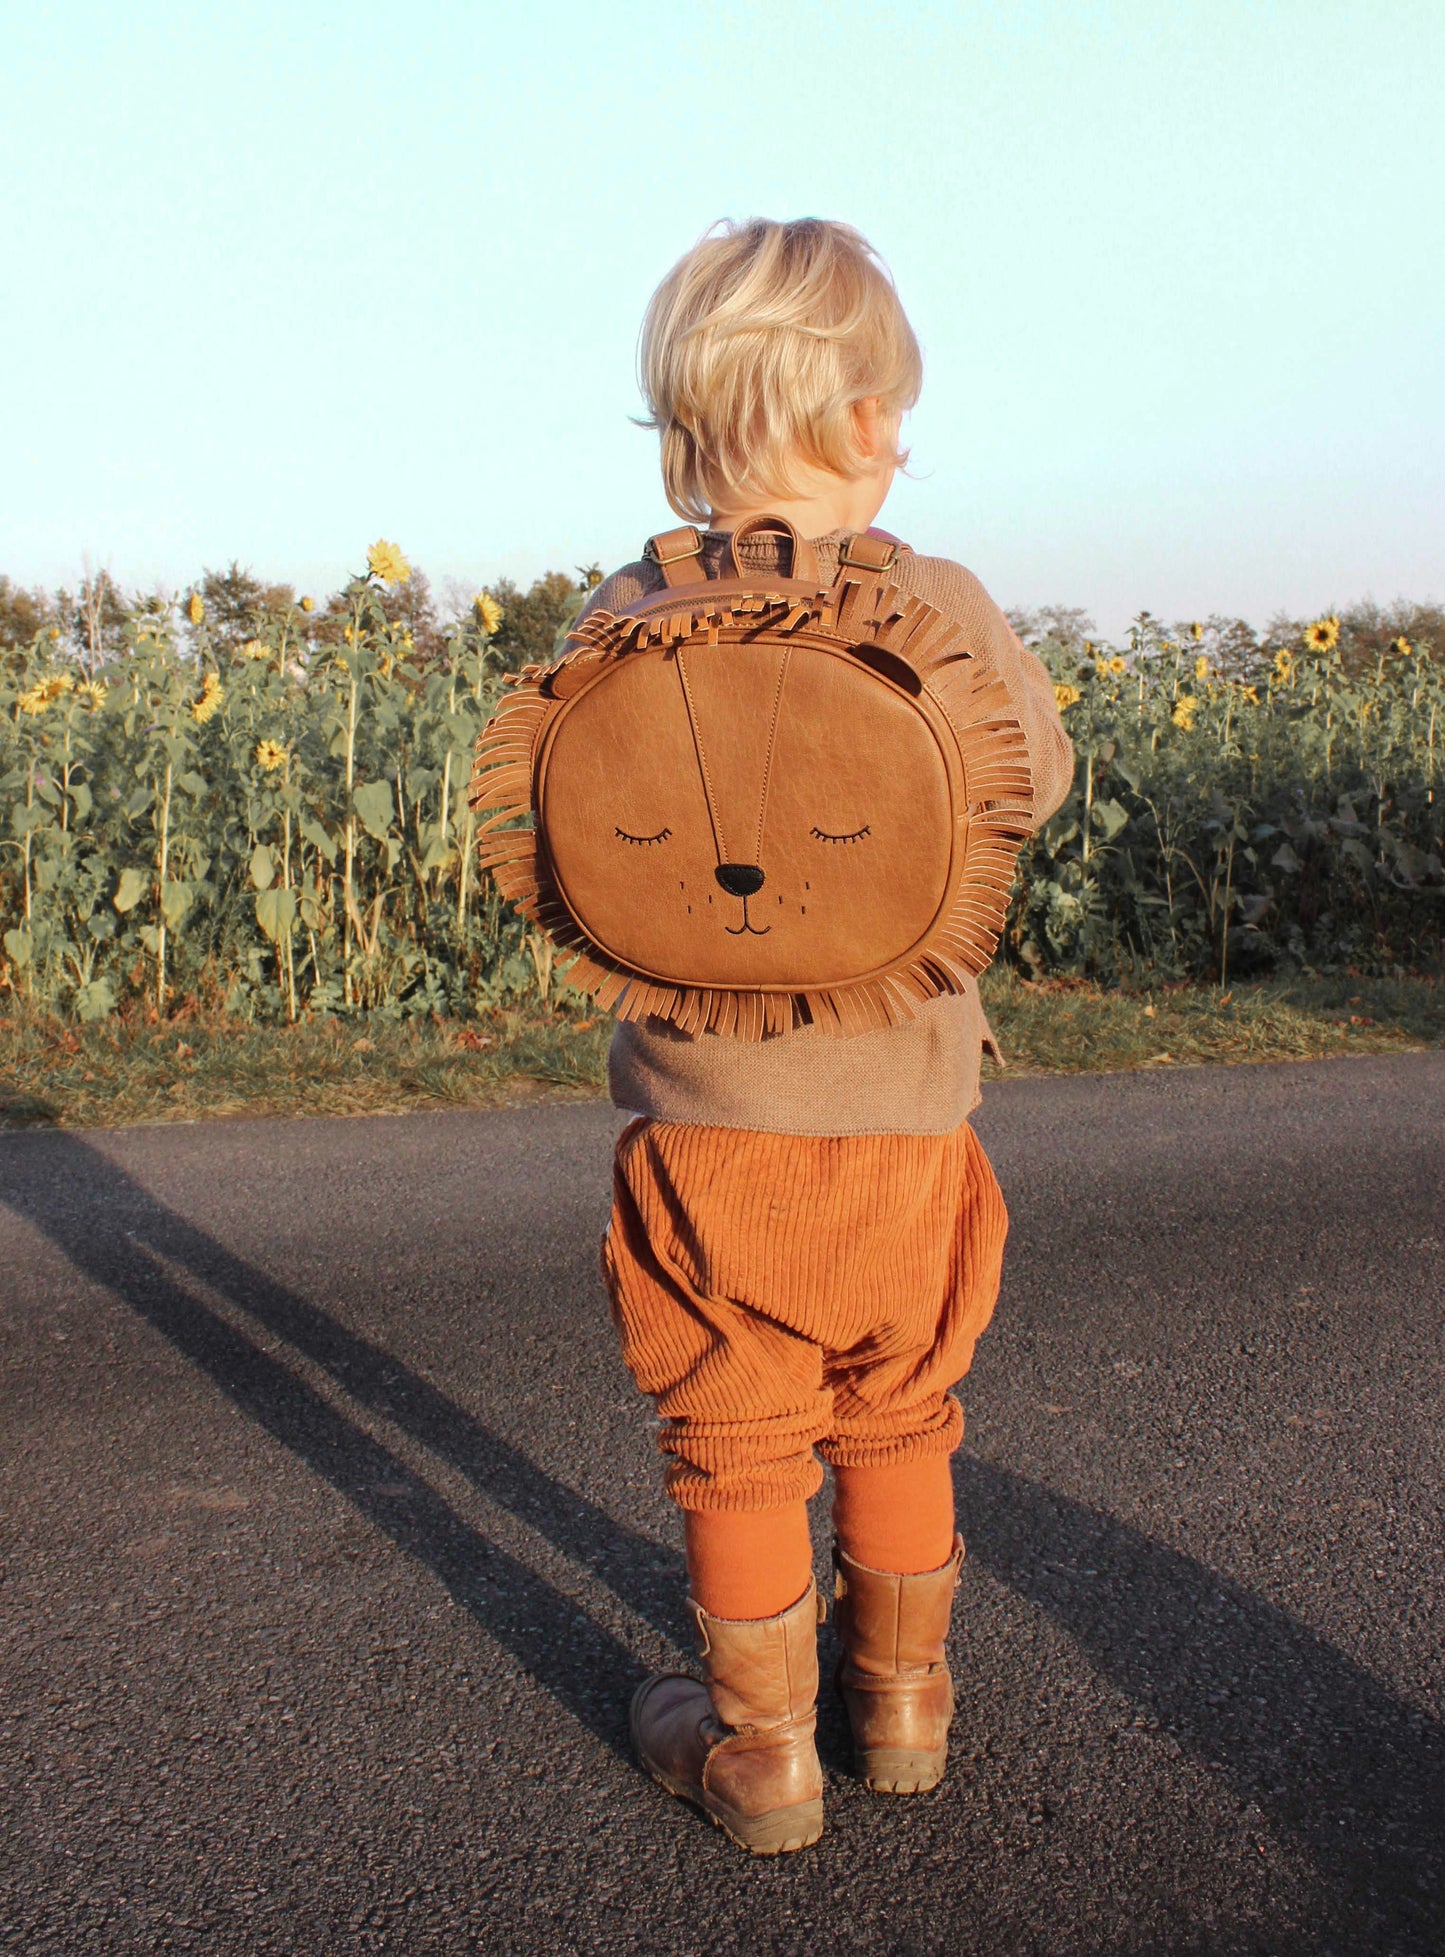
623, 587
1029, 683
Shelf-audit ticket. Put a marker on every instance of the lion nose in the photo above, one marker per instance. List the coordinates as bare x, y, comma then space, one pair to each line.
739, 879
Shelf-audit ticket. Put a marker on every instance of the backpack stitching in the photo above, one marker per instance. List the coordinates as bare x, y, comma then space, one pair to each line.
712, 815
768, 758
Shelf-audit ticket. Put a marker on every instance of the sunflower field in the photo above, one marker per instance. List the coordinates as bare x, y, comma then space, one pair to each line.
1244, 805
270, 820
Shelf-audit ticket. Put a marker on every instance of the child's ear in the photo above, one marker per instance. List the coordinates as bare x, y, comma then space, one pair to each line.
868, 420
877, 428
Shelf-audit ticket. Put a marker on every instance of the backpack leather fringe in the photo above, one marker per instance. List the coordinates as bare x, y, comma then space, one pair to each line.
855, 614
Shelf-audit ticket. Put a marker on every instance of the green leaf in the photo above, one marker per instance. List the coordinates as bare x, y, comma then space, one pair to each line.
131, 889
312, 830
1110, 818
263, 867
376, 806
1355, 852
17, 943
193, 784
276, 912
82, 799
95, 1000
176, 900
1285, 859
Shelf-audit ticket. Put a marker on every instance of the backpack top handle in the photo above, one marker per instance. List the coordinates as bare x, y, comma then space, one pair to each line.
678, 553
804, 565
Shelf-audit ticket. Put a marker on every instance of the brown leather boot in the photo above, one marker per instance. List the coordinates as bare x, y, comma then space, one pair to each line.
741, 1746
894, 1671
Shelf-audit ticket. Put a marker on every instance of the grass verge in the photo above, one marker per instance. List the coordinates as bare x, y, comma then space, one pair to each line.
1060, 1026
123, 1071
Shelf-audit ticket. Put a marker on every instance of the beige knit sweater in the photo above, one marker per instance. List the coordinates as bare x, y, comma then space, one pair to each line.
921, 1078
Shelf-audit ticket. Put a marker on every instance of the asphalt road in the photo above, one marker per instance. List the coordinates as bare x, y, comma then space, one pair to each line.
333, 1546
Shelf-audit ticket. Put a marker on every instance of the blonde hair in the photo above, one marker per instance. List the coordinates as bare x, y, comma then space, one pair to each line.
755, 350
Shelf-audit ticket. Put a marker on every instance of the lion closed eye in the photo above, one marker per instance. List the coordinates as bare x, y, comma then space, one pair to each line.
855, 836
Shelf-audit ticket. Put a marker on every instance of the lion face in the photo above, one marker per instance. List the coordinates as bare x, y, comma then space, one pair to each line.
748, 816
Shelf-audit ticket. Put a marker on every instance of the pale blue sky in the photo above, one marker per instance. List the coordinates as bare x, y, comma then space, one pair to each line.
281, 278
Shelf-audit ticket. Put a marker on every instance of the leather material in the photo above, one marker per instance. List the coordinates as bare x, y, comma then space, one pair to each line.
651, 900
758, 1773
894, 1675
673, 552
741, 1745
762, 1671
844, 744
873, 552
802, 558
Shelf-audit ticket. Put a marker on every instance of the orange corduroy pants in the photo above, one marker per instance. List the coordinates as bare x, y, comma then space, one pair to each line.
787, 1296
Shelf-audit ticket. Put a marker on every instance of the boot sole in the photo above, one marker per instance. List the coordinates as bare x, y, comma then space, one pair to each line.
899, 1770
782, 1832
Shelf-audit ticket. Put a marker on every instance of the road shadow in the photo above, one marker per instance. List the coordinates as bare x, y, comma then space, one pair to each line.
20, 1110
1352, 1771
1356, 1774
117, 1234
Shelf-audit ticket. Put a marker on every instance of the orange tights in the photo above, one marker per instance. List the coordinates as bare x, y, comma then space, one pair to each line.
756, 1562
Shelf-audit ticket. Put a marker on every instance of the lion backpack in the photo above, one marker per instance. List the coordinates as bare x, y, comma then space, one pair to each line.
757, 802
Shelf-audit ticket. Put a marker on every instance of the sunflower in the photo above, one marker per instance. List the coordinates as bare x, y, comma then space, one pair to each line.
209, 704
57, 686
270, 755
33, 700
196, 610
1066, 696
1114, 665
1185, 708
308, 604
91, 692
1401, 646
1201, 668
1250, 693
1283, 666
1196, 631
387, 563
254, 649
1323, 635
488, 611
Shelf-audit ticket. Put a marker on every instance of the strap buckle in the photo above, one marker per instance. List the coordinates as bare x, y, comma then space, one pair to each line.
672, 546
865, 553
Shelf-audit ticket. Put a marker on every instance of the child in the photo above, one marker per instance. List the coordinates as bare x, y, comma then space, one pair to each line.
806, 1236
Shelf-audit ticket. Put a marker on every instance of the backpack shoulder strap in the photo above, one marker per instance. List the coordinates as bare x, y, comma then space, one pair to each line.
868, 552
677, 554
